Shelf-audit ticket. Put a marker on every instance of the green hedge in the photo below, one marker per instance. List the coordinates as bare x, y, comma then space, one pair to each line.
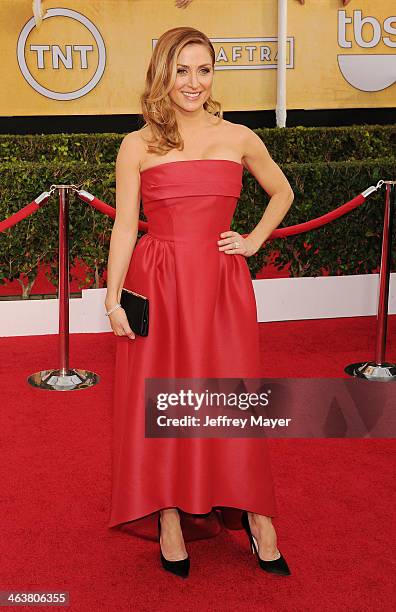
329, 167
286, 145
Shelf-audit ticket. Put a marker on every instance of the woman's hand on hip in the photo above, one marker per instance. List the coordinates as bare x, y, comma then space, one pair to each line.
233, 243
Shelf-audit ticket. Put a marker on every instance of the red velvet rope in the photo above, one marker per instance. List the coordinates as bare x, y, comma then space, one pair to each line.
105, 208
278, 233
143, 225
319, 221
21, 214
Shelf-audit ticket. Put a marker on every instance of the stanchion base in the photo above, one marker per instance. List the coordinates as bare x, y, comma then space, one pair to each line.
63, 380
369, 370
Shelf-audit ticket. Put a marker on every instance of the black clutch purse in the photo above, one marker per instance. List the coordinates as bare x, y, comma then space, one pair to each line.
136, 307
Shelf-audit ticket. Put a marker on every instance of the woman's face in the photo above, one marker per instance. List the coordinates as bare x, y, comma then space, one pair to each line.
193, 78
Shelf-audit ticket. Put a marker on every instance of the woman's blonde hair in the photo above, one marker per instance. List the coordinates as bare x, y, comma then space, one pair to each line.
157, 109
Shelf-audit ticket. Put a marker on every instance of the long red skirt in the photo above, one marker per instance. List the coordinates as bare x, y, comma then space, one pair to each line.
203, 324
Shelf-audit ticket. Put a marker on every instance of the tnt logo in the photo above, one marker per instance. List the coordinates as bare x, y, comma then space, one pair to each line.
364, 71
64, 59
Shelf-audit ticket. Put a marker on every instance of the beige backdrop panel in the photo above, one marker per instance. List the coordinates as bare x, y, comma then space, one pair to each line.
95, 62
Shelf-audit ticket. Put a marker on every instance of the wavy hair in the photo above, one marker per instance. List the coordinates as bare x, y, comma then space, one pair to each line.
157, 109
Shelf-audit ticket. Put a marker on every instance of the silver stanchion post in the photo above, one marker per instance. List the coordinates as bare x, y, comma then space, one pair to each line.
63, 379
379, 369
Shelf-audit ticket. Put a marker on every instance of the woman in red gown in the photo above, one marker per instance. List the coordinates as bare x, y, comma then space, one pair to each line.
186, 166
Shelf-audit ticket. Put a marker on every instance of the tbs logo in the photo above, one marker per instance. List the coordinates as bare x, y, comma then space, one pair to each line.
365, 71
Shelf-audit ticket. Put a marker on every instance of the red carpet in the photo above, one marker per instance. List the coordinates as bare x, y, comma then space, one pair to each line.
336, 497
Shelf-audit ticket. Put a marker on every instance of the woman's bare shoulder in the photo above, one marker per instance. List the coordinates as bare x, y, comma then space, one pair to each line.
138, 137
238, 129
241, 136
145, 135
133, 146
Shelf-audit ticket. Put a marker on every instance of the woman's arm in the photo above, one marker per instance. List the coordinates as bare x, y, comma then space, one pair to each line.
125, 228
258, 161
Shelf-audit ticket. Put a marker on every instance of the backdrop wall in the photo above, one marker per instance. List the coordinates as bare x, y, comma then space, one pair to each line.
91, 57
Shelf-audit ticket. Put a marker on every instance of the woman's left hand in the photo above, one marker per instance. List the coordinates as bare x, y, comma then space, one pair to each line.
233, 243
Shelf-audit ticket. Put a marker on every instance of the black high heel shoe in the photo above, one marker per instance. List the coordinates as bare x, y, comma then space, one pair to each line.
180, 568
276, 566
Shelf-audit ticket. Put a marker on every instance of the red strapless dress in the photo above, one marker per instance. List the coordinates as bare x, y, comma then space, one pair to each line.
203, 323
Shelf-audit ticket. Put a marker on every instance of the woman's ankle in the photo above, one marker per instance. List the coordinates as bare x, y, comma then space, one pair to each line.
259, 519
169, 514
